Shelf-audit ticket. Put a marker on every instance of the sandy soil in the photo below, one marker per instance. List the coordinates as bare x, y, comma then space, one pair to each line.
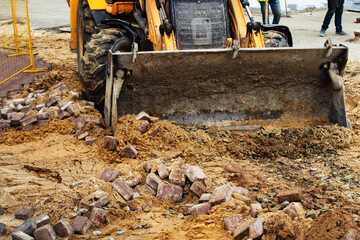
37, 167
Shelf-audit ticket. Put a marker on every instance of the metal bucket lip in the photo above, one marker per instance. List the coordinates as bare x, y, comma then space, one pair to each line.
215, 50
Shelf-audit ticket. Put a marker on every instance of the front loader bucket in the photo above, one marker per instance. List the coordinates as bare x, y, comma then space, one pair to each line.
268, 86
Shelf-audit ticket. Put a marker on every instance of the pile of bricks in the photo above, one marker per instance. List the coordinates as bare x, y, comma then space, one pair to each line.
40, 227
40, 107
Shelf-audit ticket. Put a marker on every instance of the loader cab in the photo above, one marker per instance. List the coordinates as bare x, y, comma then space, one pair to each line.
200, 24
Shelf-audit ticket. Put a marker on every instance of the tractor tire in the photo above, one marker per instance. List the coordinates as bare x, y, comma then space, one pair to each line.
93, 63
275, 39
85, 27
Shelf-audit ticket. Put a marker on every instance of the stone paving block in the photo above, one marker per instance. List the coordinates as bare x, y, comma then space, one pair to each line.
98, 215
27, 120
73, 109
242, 230
2, 229
129, 152
255, 209
198, 188
39, 107
29, 101
83, 135
42, 220
153, 181
15, 118
42, 122
81, 224
64, 105
205, 197
147, 167
25, 213
4, 112
194, 173
123, 189
242, 191
96, 199
5, 123
75, 184
92, 119
200, 209
52, 101
27, 127
45, 232
256, 229
26, 108
290, 196
233, 222
80, 122
142, 116
42, 115
19, 101
61, 86
109, 174
134, 181
177, 176
221, 194
90, 140
294, 210
169, 191
20, 236
63, 115
110, 143
142, 126
154, 131
28, 227
149, 189
162, 171
63, 228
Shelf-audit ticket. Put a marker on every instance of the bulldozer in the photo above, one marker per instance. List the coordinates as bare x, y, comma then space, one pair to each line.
203, 61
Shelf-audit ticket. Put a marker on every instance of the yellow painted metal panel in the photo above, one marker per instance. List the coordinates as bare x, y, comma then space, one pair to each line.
97, 4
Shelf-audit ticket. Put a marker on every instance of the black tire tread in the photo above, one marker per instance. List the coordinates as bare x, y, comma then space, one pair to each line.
275, 39
93, 64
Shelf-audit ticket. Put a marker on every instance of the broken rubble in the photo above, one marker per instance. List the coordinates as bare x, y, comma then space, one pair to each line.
205, 197
75, 184
134, 181
242, 191
63, 228
90, 140
83, 135
149, 189
142, 116
143, 126
177, 176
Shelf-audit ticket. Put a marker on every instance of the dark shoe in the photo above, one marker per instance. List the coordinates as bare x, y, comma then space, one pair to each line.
322, 32
342, 33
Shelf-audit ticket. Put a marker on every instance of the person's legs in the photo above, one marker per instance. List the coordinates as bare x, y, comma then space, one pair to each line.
262, 5
276, 10
329, 14
338, 17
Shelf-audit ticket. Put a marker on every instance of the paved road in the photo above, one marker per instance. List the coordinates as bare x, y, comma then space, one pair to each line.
48, 14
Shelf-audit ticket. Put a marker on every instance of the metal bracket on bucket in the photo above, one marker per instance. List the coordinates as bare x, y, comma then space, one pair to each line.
112, 93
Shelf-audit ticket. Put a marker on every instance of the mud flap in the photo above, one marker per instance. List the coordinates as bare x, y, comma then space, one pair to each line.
268, 86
